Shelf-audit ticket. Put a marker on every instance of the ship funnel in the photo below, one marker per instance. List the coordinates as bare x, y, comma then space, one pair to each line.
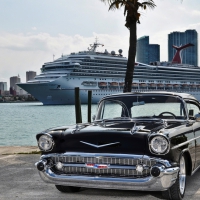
177, 57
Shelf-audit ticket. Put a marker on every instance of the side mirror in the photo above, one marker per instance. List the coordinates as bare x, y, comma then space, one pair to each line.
191, 112
93, 117
197, 117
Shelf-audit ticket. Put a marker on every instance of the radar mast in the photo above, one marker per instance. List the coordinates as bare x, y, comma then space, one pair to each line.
94, 46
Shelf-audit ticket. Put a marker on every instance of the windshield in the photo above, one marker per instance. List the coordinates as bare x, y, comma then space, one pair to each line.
142, 106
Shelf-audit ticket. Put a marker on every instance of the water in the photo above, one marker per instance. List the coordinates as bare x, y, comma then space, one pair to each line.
20, 122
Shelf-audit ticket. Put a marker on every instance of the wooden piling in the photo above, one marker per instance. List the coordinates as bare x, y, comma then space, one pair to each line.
78, 106
89, 105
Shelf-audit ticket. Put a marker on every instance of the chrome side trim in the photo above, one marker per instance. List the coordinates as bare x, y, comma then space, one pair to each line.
195, 169
184, 143
47, 134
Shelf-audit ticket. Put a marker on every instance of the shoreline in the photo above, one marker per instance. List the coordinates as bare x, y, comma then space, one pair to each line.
8, 150
20, 102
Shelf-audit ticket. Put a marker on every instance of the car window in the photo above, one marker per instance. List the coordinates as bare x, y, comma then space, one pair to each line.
136, 106
112, 109
157, 109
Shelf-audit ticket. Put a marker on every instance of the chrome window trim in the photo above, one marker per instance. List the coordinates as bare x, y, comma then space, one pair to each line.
184, 143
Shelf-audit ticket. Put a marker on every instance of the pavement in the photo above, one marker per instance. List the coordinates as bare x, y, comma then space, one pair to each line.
19, 179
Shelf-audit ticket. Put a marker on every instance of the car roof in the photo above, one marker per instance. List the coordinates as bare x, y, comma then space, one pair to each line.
181, 95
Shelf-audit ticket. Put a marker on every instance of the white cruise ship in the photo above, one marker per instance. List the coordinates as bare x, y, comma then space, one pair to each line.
103, 74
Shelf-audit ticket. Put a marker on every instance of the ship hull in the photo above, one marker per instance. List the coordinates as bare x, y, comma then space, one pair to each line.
51, 94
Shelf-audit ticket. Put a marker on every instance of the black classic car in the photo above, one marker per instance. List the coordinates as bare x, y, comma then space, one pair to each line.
137, 141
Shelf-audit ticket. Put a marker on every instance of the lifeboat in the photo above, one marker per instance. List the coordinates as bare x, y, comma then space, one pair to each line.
152, 85
169, 85
102, 84
134, 84
198, 86
185, 86
176, 85
121, 84
114, 84
193, 86
160, 85
143, 84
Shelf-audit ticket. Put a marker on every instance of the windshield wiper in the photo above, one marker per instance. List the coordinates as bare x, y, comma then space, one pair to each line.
114, 120
148, 117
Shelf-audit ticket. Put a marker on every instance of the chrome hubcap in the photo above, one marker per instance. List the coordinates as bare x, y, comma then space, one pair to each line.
182, 175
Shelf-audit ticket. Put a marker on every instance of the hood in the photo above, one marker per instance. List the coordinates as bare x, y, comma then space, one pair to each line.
107, 137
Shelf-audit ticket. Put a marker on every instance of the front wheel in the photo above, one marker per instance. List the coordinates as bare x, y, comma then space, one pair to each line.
177, 191
63, 188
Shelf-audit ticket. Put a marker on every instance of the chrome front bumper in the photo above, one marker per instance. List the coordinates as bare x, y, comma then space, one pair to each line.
165, 180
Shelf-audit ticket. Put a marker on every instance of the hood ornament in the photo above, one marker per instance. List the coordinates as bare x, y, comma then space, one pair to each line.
165, 123
138, 128
77, 128
99, 146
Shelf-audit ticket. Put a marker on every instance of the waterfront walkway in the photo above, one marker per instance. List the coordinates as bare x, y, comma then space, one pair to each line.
18, 149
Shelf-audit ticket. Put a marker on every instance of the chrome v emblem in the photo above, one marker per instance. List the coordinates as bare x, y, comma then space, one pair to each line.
99, 146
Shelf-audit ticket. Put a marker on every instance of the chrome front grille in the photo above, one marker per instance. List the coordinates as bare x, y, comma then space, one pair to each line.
118, 166
102, 160
105, 172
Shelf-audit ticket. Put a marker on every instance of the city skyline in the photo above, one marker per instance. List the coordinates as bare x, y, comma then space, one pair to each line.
27, 40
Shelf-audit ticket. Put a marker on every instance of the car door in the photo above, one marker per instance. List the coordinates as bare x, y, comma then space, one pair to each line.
193, 109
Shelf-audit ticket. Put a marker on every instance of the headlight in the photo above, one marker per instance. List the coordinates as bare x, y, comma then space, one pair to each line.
45, 143
159, 144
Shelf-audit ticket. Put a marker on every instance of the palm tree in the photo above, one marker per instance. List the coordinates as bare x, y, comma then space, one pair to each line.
131, 11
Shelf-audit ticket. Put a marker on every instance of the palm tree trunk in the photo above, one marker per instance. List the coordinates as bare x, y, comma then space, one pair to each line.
131, 57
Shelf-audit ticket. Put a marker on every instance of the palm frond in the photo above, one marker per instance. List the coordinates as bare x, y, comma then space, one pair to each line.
107, 1
114, 4
150, 4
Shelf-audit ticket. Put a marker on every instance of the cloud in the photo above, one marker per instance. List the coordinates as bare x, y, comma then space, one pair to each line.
196, 13
28, 52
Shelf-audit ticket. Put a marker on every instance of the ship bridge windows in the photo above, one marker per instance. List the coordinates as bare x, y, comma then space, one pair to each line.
59, 67
79, 57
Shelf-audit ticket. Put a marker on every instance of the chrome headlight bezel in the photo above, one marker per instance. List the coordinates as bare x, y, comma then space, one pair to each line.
45, 142
161, 139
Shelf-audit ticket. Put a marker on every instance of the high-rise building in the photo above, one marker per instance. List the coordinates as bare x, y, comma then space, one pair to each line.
3, 86
13, 81
30, 75
154, 52
147, 53
189, 55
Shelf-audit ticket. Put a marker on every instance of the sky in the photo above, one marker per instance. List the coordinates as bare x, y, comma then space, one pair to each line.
33, 32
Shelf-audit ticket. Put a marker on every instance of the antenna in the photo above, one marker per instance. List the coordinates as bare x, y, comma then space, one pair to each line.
95, 45
53, 57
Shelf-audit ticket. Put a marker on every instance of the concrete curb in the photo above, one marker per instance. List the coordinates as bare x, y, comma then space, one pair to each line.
7, 150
